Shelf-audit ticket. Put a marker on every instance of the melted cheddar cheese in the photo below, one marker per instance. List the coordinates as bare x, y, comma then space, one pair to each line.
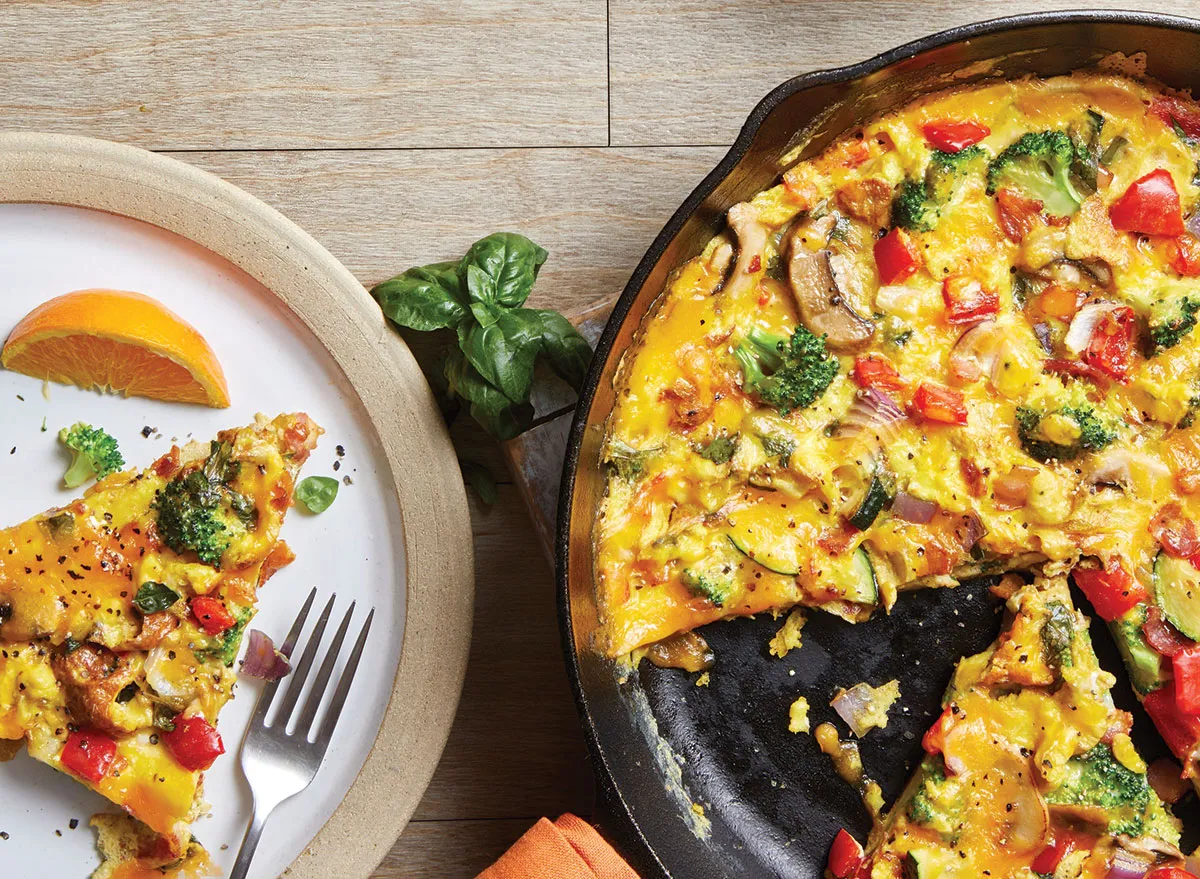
79, 652
1018, 387
1011, 767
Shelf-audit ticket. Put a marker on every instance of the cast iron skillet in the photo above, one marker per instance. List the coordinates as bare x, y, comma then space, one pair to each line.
663, 746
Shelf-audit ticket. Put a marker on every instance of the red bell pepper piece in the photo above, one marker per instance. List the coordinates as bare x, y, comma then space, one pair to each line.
1184, 253
877, 372
1150, 205
897, 256
1111, 347
950, 135
89, 754
1170, 873
194, 743
967, 302
1179, 729
1113, 592
934, 739
844, 855
1018, 214
212, 614
1062, 843
1176, 111
934, 402
1186, 665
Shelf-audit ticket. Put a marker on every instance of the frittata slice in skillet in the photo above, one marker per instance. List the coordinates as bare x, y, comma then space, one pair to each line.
961, 339
1030, 767
122, 614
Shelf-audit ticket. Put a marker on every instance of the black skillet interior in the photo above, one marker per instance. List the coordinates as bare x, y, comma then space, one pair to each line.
771, 801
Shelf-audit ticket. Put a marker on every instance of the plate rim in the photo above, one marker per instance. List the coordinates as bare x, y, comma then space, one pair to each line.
128, 181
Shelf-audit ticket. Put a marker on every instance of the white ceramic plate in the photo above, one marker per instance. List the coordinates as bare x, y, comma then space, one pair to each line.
362, 548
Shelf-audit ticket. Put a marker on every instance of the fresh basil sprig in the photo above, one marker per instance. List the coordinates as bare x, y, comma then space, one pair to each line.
499, 342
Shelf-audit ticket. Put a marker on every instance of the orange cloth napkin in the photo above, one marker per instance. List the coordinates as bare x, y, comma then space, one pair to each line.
568, 848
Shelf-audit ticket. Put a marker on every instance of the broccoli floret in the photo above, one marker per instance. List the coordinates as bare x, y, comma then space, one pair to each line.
1094, 434
918, 204
945, 170
1038, 166
936, 805
1097, 778
786, 373
192, 508
94, 454
1172, 318
911, 209
225, 646
712, 577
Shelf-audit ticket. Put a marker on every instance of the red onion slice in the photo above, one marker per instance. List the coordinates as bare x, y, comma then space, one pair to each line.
263, 660
1192, 224
976, 352
913, 509
1126, 865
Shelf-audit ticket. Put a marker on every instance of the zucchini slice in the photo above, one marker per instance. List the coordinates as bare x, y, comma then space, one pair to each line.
859, 585
761, 533
873, 501
1177, 591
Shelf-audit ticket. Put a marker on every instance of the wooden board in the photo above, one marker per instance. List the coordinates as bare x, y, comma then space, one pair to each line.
258, 74
689, 71
133, 183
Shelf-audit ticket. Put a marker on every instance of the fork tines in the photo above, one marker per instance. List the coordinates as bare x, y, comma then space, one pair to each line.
303, 722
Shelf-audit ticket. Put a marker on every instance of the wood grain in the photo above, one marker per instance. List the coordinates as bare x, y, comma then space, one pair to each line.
689, 71
450, 849
516, 748
379, 212
259, 74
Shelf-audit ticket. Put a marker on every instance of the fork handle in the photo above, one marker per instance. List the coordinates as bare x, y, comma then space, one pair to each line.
250, 842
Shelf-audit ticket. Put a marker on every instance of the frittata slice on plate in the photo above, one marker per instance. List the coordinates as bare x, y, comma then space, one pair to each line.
1030, 766
121, 615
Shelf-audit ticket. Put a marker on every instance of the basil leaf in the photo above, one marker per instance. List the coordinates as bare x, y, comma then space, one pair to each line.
423, 298
481, 287
317, 492
510, 263
504, 353
567, 352
495, 412
152, 597
481, 479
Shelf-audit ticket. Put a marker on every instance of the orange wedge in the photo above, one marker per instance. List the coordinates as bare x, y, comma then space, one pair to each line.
119, 341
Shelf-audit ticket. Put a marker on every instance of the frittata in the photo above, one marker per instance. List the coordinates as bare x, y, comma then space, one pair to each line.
121, 615
959, 340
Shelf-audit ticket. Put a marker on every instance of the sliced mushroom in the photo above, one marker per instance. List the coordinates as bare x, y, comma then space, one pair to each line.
1026, 820
752, 241
823, 306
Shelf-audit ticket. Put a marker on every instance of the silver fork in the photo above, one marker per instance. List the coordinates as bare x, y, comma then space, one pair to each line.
279, 764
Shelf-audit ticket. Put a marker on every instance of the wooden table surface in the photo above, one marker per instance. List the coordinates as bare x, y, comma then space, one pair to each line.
397, 134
